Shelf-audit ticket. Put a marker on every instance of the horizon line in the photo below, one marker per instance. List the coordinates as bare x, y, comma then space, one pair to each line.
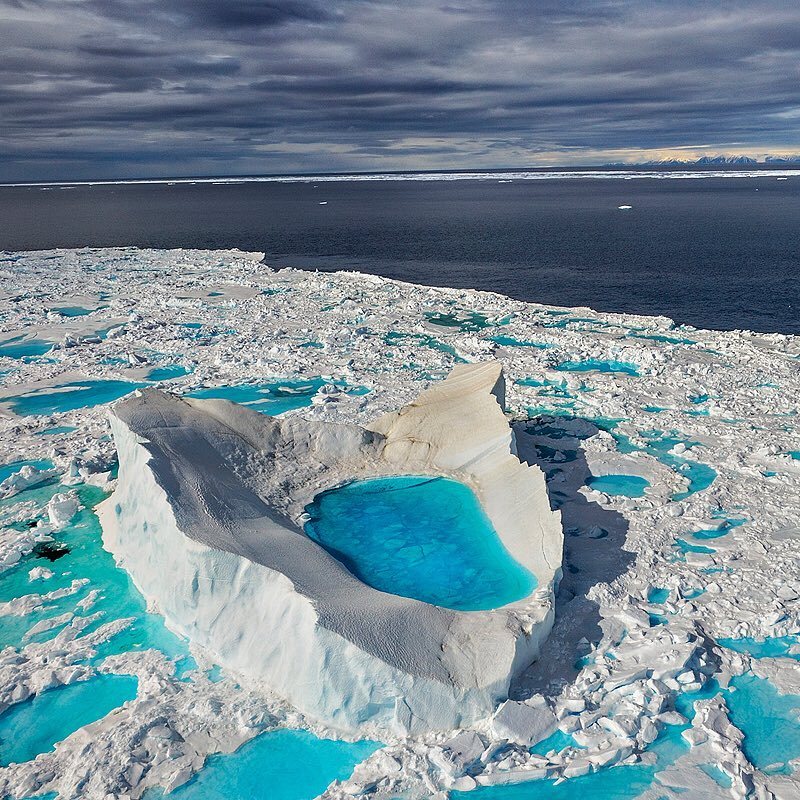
653, 170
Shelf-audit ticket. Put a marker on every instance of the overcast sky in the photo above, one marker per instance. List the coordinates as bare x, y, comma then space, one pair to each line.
127, 88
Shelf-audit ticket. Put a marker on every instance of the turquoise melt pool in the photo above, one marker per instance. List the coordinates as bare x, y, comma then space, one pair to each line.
768, 720
167, 373
620, 485
6, 470
73, 311
596, 365
20, 347
278, 765
69, 396
36, 725
467, 321
270, 398
421, 537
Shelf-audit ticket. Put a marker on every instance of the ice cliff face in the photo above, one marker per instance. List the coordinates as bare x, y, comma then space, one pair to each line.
207, 519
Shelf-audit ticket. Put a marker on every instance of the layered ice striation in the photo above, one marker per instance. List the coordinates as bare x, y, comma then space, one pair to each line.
208, 518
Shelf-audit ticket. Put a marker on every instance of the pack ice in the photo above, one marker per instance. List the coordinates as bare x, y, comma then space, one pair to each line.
672, 455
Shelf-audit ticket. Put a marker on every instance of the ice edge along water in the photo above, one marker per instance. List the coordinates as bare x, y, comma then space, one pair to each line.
639, 647
508, 177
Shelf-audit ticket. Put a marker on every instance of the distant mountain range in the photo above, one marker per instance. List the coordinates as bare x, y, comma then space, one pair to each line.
714, 161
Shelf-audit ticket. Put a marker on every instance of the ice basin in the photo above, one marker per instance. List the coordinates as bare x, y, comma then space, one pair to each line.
421, 537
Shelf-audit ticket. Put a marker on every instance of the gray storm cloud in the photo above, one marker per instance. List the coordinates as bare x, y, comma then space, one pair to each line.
107, 88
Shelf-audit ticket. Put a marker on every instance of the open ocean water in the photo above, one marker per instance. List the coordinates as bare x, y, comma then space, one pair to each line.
713, 252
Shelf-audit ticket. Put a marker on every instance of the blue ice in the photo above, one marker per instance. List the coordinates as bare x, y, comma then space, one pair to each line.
420, 537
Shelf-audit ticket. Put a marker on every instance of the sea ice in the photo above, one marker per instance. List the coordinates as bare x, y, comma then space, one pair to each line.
650, 638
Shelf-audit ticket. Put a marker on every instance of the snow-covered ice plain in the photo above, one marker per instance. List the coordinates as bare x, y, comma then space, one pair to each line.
672, 454
504, 176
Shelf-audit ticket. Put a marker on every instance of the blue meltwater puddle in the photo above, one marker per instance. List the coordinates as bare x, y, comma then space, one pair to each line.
619, 485
610, 783
36, 725
607, 783
769, 721
6, 470
73, 311
420, 537
596, 365
279, 765
78, 553
466, 321
22, 347
288, 764
271, 398
510, 341
770, 647
167, 373
69, 396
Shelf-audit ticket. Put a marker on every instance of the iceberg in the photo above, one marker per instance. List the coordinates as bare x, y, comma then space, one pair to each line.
208, 517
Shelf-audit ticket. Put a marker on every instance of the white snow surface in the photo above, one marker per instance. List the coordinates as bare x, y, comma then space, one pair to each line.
499, 177
741, 388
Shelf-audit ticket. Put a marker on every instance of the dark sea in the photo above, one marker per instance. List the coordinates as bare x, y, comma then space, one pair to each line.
713, 252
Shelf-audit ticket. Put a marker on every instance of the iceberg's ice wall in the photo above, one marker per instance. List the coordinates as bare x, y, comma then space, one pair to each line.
207, 520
